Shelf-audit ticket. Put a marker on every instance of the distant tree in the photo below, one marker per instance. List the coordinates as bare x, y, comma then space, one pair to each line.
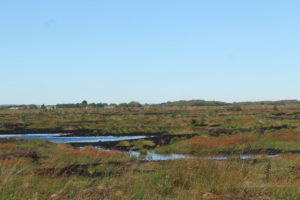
131, 104
84, 103
134, 104
101, 105
43, 107
92, 105
123, 105
31, 106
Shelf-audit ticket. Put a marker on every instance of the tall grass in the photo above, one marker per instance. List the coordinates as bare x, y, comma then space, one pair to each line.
105, 175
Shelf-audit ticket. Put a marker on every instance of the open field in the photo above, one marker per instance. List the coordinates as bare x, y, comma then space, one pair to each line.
42, 170
150, 100
213, 129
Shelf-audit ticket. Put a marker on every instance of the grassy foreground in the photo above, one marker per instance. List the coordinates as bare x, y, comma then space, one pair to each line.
42, 170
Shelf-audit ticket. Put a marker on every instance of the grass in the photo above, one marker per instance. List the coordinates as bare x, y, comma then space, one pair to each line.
171, 120
42, 170
113, 175
282, 141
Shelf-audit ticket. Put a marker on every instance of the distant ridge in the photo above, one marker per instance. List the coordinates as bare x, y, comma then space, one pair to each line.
84, 104
194, 103
220, 103
3, 105
280, 102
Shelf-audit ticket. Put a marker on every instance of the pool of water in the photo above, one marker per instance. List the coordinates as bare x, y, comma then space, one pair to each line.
63, 138
149, 156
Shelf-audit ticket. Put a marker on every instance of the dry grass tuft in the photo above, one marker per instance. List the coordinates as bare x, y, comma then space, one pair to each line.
7, 147
221, 141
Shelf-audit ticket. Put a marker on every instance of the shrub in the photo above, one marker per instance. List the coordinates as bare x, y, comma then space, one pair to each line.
235, 108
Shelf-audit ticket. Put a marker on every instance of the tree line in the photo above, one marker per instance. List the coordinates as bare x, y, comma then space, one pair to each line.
132, 104
85, 104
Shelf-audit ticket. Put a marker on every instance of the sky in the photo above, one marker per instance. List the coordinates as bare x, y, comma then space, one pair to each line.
151, 51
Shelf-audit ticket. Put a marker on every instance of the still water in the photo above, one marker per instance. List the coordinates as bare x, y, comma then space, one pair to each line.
149, 156
63, 138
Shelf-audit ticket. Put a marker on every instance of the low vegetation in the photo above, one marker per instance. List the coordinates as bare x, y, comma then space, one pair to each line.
43, 170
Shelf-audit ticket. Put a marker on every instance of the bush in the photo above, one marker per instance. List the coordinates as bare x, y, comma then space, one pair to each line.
235, 108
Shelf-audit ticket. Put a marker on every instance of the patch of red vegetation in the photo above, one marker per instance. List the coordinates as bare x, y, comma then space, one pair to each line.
247, 121
7, 147
64, 147
221, 141
297, 122
12, 162
286, 135
288, 138
92, 152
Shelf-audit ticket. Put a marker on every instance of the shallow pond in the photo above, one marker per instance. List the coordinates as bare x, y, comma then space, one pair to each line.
149, 156
63, 138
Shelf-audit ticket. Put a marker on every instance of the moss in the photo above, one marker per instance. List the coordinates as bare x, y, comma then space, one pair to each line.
140, 144
124, 144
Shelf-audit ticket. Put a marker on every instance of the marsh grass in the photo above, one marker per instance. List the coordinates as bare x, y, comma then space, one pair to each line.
42, 170
121, 177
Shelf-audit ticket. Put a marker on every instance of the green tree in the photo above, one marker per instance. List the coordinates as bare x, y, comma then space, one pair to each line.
43, 107
84, 103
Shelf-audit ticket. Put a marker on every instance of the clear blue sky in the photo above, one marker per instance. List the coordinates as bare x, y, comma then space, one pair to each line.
59, 51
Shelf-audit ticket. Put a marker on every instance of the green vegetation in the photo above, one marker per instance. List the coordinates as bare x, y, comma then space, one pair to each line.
140, 144
42, 170
124, 144
235, 108
282, 141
